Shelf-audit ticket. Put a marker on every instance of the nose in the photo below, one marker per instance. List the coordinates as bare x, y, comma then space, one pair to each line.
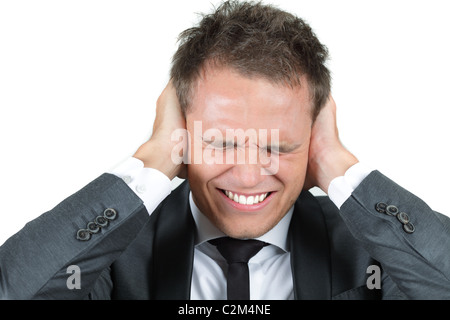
247, 176
247, 173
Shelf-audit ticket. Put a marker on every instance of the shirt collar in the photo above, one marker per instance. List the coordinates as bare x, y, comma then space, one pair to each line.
206, 230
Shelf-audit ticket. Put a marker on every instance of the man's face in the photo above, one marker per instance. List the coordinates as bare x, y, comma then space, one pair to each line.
224, 101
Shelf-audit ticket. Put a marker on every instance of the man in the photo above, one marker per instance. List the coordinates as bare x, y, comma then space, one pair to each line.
250, 93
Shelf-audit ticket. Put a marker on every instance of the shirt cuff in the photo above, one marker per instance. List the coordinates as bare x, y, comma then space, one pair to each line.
150, 185
341, 188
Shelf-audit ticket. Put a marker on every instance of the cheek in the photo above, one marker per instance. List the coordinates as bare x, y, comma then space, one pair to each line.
199, 175
196, 175
292, 171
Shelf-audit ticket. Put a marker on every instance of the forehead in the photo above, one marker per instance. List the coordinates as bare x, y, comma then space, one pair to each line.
222, 98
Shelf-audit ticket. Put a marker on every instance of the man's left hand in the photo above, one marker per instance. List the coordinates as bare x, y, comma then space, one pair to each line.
328, 158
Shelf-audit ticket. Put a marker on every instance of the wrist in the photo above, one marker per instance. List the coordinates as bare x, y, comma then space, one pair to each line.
334, 165
157, 156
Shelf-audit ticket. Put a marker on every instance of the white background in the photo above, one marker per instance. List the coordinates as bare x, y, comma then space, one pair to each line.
79, 81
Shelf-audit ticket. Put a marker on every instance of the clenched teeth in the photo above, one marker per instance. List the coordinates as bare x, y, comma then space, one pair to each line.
239, 198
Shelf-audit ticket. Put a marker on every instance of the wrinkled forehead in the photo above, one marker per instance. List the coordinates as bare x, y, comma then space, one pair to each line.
225, 100
225, 94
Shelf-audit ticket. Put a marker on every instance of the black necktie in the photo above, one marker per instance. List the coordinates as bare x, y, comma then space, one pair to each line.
237, 253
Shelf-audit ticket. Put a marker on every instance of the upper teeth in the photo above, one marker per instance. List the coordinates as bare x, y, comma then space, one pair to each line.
239, 198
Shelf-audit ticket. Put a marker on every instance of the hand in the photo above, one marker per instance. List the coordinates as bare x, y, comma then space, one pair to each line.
328, 158
156, 152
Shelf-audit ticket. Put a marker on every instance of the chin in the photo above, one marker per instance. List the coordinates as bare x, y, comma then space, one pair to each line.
245, 234
239, 229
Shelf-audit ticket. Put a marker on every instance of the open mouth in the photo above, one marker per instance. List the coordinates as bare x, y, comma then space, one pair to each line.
246, 199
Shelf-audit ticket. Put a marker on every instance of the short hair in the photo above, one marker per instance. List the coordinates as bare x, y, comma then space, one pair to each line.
255, 40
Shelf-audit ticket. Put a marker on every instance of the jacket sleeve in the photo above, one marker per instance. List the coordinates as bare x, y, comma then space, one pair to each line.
34, 263
413, 247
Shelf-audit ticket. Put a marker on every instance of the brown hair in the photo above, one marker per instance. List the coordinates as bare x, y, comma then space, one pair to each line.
255, 40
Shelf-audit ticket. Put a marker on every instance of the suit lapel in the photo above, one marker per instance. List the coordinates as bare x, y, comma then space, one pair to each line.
310, 260
173, 250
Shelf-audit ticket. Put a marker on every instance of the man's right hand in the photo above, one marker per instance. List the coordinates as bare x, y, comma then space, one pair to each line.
156, 152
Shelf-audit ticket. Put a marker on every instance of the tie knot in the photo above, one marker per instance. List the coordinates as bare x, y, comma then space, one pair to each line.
236, 250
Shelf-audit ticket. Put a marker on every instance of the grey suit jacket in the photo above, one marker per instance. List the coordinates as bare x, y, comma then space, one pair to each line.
137, 256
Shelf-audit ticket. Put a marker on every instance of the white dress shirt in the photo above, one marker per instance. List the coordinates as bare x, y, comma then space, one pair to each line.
270, 269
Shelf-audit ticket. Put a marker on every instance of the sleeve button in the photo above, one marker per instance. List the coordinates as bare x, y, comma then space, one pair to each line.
391, 210
83, 235
140, 188
403, 217
381, 207
101, 221
93, 227
110, 214
127, 179
409, 227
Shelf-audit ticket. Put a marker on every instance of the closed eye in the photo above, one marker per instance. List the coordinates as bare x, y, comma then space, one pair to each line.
270, 149
280, 149
217, 144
